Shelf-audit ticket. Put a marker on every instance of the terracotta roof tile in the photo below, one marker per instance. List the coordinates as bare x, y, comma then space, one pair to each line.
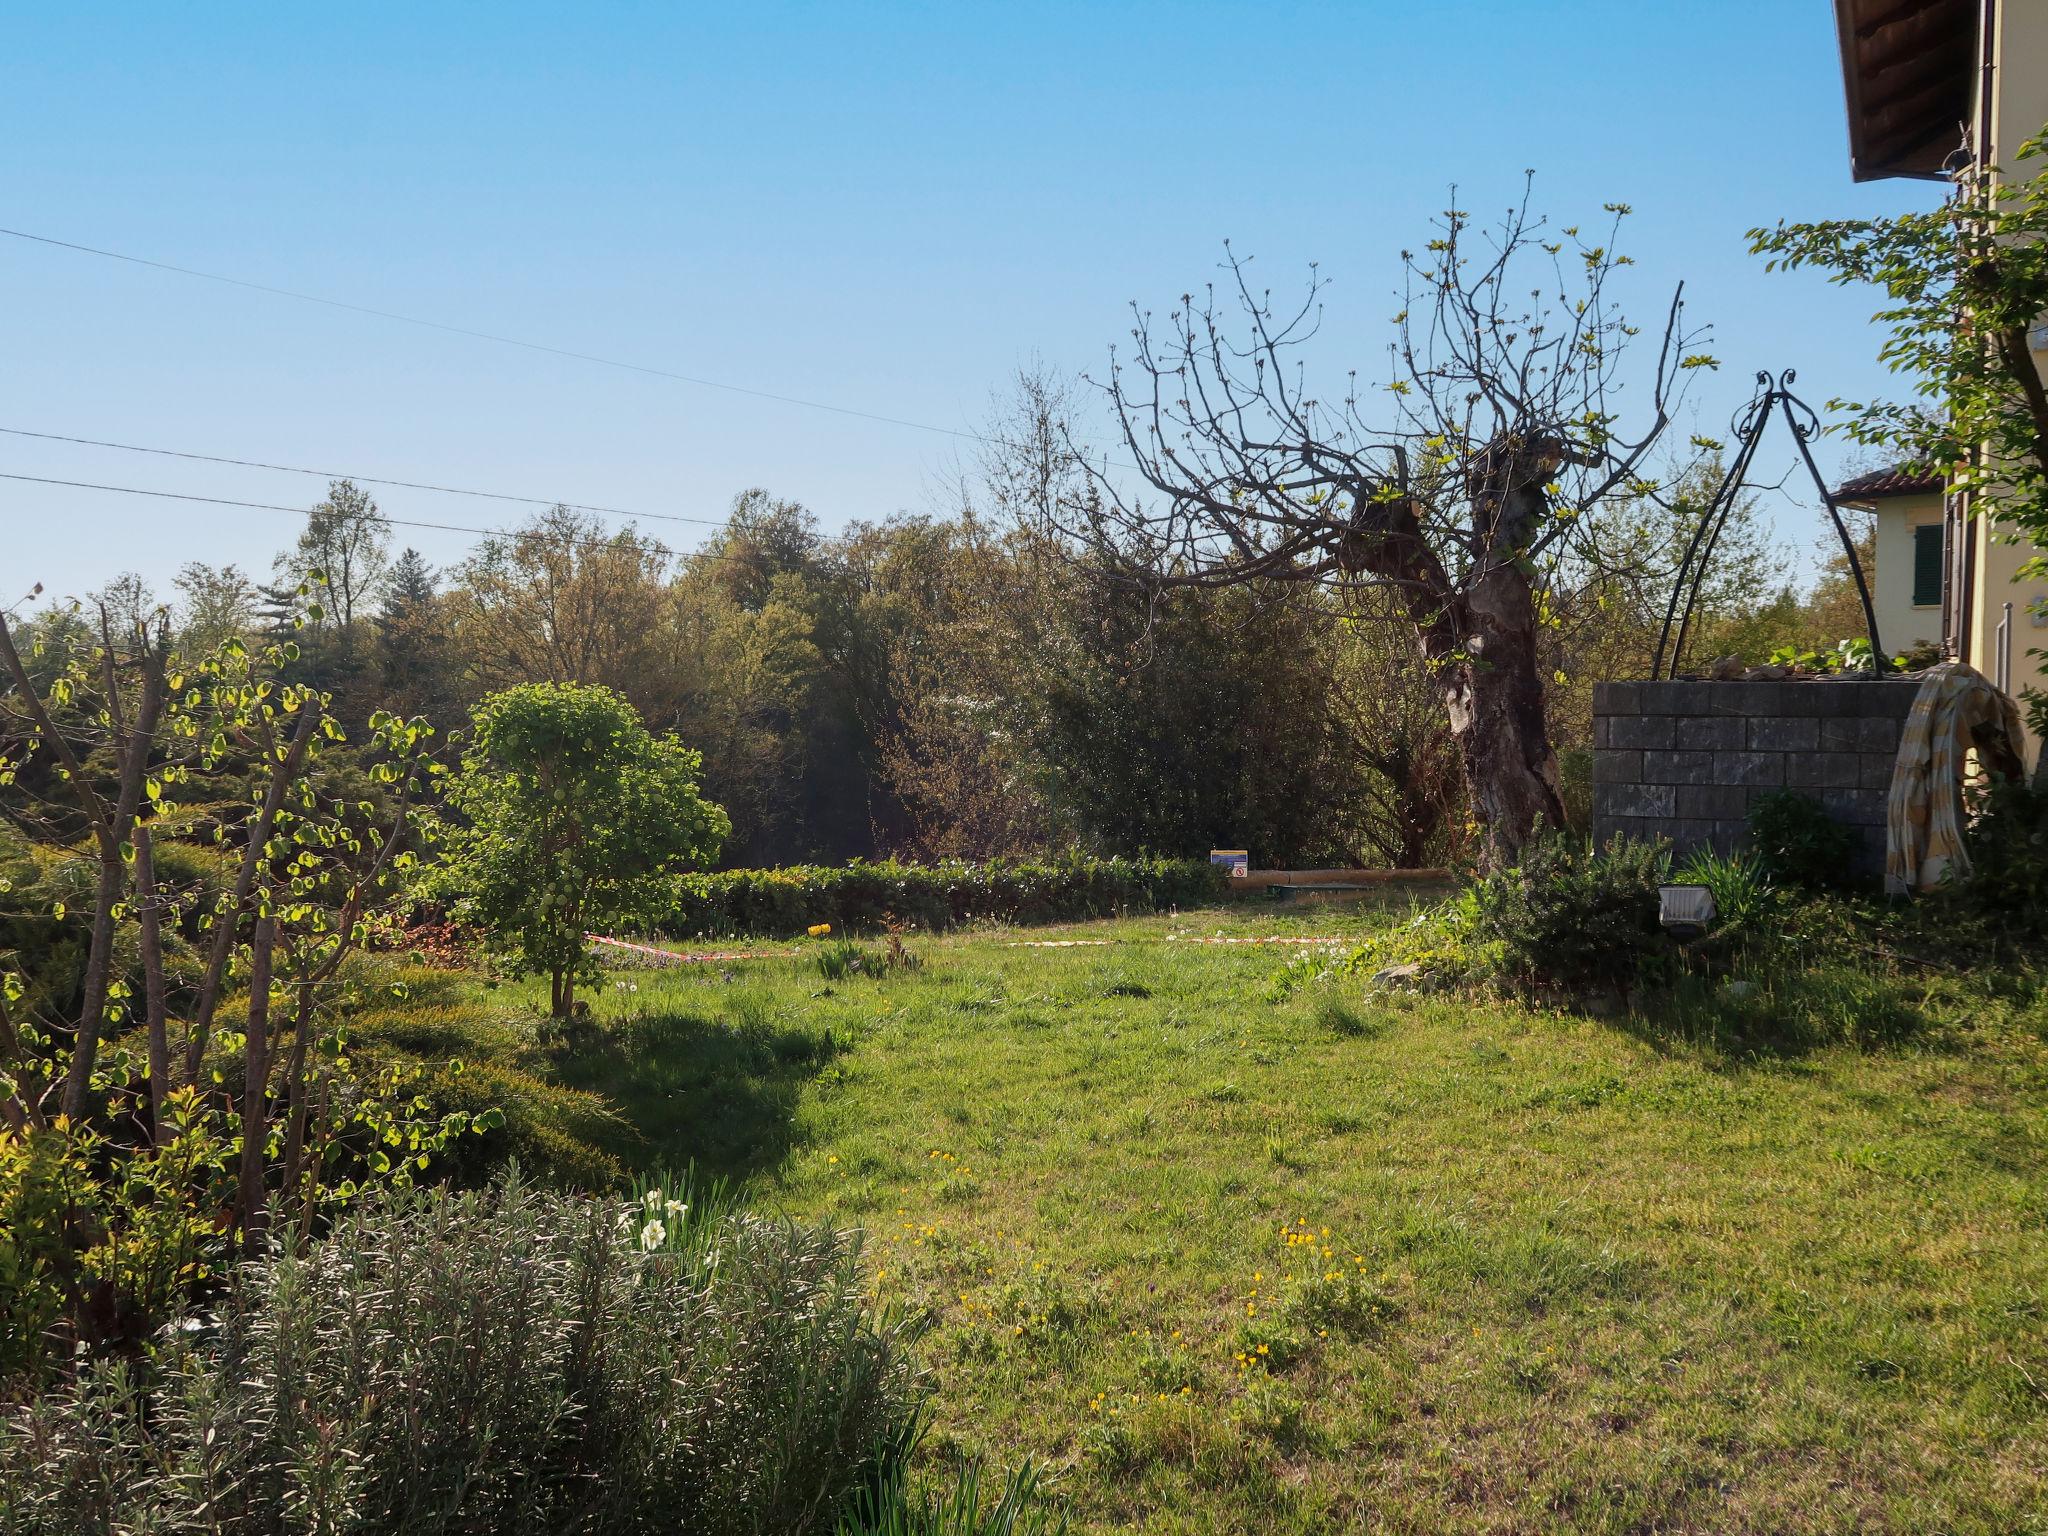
1886, 482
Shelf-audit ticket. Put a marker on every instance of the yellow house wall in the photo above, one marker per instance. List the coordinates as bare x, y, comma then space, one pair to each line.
2019, 80
1901, 625
1998, 562
2019, 111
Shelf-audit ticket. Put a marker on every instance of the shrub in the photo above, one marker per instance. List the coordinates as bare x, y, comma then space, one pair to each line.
2004, 898
1743, 893
1797, 843
505, 1362
37, 1175
866, 897
1569, 918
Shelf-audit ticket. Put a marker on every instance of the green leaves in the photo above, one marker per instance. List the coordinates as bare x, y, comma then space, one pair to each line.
1966, 282
572, 817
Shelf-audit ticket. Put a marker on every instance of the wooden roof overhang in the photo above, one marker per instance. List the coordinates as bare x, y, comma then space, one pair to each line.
1907, 69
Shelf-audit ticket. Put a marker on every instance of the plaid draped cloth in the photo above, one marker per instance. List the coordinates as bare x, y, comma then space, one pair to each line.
1956, 711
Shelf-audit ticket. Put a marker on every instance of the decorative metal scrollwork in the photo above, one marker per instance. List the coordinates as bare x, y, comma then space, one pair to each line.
1749, 425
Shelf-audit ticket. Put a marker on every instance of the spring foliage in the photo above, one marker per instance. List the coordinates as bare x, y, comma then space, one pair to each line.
570, 817
873, 896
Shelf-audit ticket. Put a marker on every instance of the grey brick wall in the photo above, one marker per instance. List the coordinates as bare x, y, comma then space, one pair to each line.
1682, 760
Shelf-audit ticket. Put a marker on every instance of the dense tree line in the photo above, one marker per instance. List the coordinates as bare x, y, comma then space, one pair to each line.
961, 684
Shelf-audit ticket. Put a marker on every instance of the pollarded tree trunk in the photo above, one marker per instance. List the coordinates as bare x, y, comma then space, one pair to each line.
1495, 701
1479, 636
1496, 710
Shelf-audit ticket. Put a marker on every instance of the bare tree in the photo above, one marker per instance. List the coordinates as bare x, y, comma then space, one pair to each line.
348, 542
216, 602
1500, 433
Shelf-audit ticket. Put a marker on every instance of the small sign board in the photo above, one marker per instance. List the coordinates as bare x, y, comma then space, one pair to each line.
1234, 862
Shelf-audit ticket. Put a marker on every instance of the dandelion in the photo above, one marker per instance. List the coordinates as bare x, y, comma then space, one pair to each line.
652, 1236
818, 930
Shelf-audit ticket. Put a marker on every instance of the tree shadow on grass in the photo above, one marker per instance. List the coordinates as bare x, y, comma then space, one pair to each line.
1778, 1019
720, 1094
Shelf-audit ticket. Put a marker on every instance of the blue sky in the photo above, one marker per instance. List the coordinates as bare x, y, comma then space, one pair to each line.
884, 206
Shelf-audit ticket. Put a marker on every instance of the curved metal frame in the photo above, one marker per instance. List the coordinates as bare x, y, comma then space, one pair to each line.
1748, 425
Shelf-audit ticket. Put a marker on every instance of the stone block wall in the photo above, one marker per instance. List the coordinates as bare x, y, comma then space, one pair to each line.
1682, 760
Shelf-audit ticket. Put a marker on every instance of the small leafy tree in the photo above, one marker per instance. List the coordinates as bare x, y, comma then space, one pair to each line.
572, 817
1967, 282
192, 1081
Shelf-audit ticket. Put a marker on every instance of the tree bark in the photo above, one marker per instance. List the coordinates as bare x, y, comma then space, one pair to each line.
283, 770
1511, 779
296, 1095
1495, 702
255, 1083
1480, 639
155, 1013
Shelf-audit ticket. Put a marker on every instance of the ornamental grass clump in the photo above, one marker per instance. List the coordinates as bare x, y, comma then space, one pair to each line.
507, 1361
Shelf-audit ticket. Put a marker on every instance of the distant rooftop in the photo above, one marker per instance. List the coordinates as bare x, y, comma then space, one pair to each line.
1880, 483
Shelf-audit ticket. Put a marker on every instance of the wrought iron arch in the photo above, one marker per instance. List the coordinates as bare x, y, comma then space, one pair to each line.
1749, 425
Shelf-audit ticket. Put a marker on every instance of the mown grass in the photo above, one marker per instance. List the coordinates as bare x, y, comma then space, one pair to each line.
1232, 1257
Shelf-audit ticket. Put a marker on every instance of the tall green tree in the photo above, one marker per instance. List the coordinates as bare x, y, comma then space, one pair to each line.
571, 817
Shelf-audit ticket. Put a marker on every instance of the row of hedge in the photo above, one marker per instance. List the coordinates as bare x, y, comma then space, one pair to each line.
868, 897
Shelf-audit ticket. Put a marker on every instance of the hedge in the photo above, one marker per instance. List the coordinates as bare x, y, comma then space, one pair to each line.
866, 897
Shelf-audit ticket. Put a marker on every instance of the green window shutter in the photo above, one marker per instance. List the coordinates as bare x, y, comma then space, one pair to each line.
1927, 565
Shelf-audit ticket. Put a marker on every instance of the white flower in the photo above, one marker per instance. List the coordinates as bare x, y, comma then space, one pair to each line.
676, 1209
653, 1235
653, 1201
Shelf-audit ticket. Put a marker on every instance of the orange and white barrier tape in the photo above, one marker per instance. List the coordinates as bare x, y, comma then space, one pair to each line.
672, 957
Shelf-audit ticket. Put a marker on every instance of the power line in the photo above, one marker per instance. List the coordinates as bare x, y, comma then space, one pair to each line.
506, 341
337, 474
394, 522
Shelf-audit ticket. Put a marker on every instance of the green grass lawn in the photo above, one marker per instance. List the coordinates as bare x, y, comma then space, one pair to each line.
1227, 1259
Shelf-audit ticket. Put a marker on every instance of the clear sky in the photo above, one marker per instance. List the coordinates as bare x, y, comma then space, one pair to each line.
887, 207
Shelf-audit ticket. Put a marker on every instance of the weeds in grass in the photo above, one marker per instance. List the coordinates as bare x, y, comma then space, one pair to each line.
967, 1506
843, 958
1275, 1411
1607, 1259
1342, 1018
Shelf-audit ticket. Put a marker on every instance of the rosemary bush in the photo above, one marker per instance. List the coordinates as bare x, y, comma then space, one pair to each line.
1570, 917
507, 1361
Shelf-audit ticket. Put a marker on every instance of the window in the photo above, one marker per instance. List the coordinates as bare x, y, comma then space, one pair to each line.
1927, 565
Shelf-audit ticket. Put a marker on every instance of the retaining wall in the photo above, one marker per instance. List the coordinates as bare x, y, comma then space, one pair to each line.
1682, 760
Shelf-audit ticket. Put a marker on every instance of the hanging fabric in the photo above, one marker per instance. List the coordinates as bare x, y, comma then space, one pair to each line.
1956, 712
